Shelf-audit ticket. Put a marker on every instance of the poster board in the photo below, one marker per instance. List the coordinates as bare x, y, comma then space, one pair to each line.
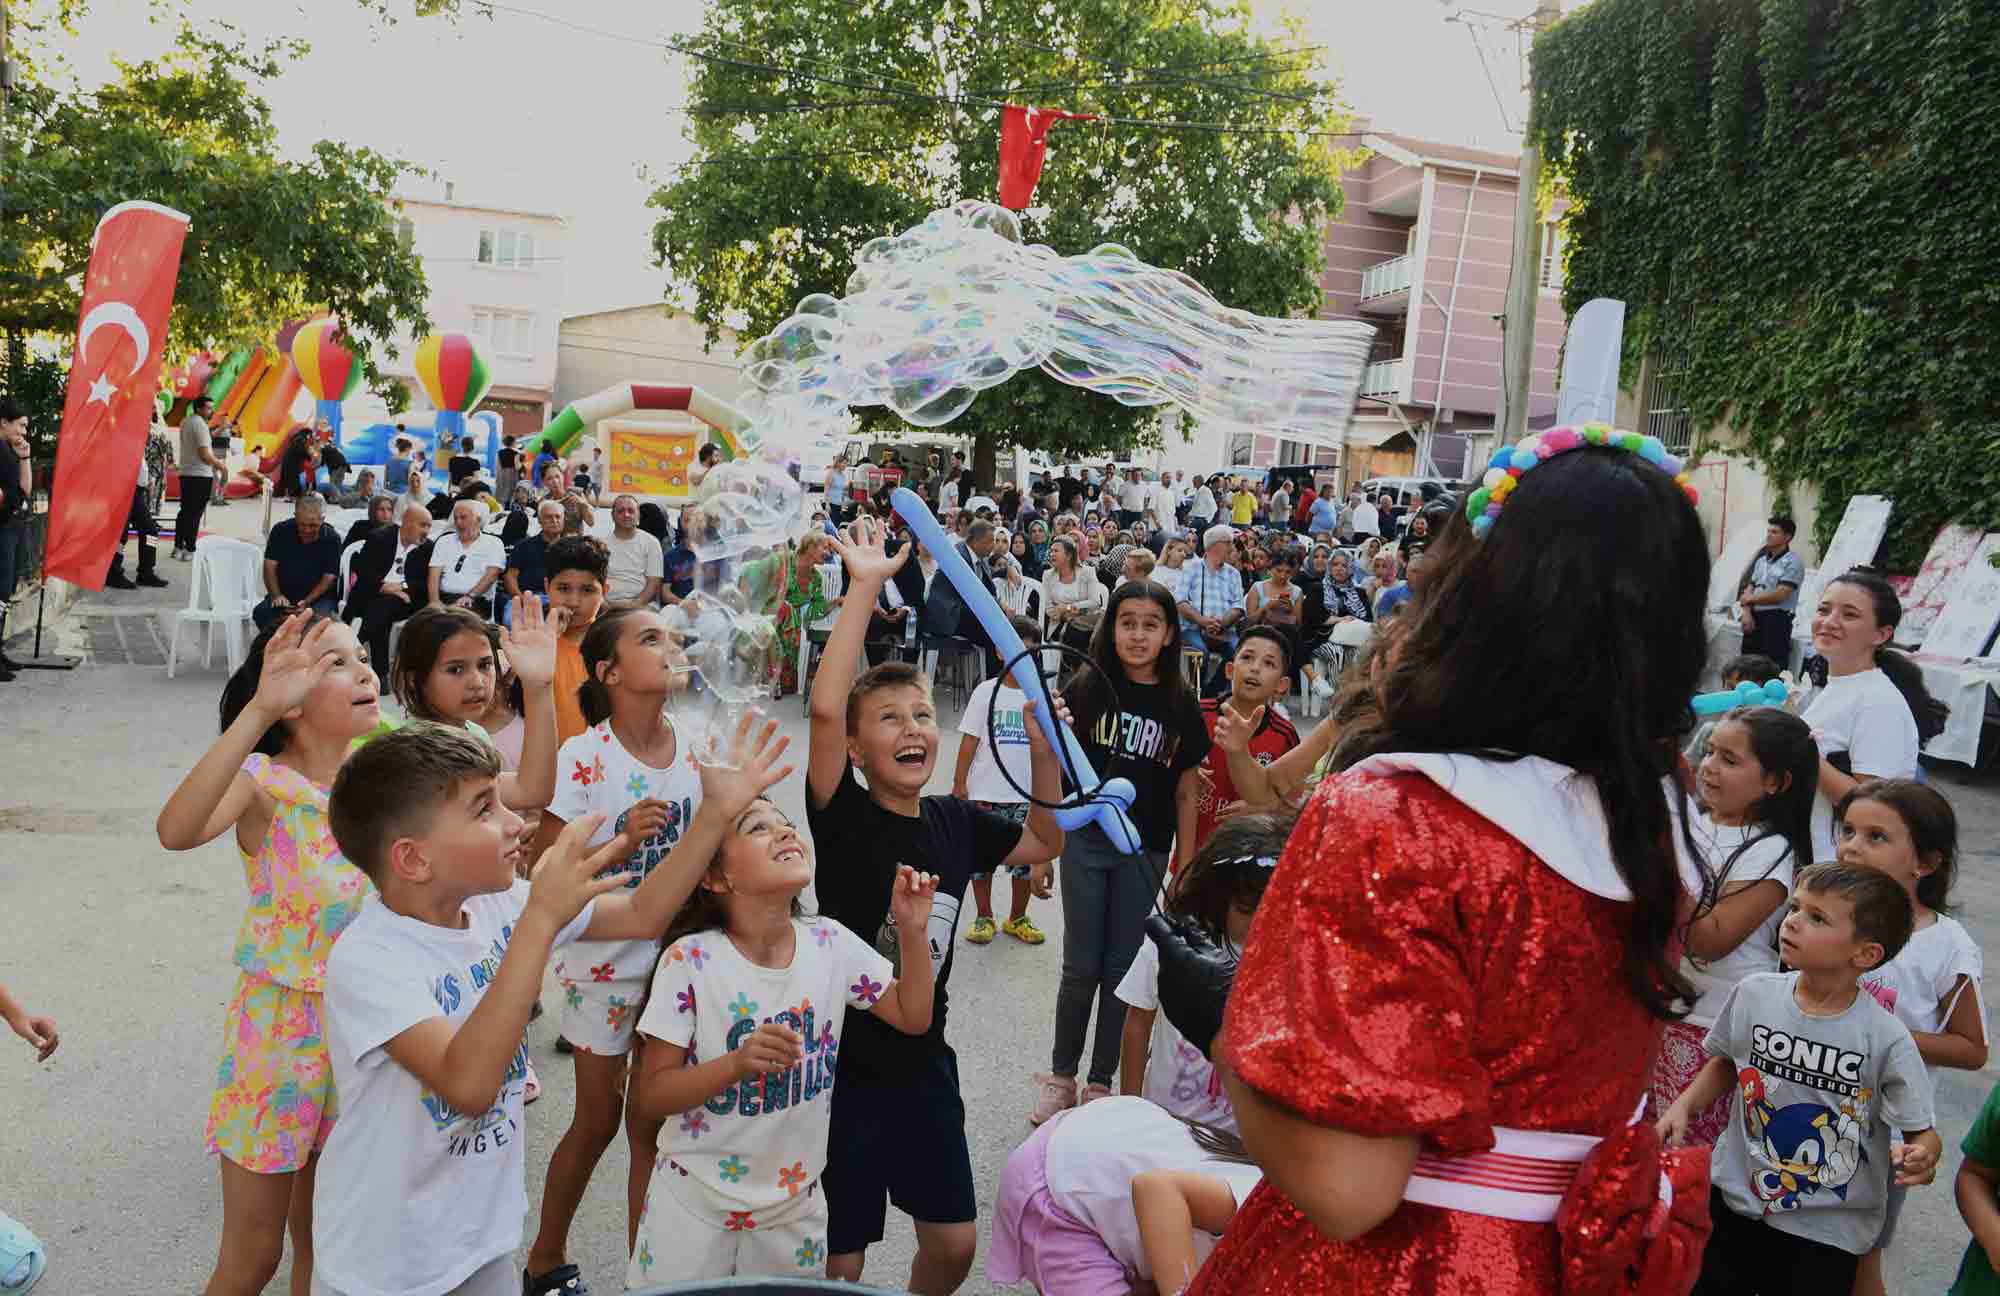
1972, 607
648, 461
1726, 576
1930, 589
1854, 544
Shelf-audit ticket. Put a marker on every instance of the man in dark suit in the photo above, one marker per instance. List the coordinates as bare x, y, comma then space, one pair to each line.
392, 578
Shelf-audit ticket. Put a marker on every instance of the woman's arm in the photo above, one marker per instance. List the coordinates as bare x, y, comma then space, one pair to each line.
1345, 1184
1740, 911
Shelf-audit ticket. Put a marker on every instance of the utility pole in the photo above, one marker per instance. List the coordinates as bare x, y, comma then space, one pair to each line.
1517, 345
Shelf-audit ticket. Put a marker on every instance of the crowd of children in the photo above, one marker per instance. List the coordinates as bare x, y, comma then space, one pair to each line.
783, 1076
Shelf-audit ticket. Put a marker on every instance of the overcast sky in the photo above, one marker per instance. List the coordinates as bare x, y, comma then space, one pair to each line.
524, 112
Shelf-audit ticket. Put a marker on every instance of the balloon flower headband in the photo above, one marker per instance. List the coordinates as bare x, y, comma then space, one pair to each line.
1504, 471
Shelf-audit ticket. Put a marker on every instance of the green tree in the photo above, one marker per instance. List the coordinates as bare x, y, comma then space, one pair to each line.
271, 238
819, 124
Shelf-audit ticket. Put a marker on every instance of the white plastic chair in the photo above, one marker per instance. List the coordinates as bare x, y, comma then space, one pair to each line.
225, 587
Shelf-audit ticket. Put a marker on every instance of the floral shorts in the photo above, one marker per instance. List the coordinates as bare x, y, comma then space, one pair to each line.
273, 1105
1681, 1059
599, 1013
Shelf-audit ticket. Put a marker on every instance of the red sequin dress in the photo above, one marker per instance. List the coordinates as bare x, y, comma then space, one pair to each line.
1415, 970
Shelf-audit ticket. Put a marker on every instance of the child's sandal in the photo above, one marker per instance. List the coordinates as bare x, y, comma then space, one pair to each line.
563, 1280
22, 1259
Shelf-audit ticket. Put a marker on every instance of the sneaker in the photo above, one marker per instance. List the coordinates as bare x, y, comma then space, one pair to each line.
1058, 1094
1093, 1091
981, 931
153, 580
1023, 929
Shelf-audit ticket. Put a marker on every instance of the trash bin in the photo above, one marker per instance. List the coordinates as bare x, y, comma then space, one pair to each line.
763, 1287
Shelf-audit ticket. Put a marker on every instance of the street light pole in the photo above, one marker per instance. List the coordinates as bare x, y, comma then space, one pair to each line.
1517, 341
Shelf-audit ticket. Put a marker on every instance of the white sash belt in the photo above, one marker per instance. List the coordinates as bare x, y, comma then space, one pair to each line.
1523, 1177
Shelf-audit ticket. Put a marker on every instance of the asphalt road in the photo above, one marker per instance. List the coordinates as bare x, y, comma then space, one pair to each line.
128, 947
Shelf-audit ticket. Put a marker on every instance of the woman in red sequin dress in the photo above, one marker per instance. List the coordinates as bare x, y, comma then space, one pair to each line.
1451, 999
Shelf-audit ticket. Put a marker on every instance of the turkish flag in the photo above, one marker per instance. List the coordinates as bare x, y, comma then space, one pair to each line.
121, 332
1024, 138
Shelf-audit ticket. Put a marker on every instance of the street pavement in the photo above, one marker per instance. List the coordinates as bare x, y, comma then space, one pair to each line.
128, 947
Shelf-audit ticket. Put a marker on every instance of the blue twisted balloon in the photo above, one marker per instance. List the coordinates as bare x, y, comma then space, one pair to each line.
1107, 803
1745, 694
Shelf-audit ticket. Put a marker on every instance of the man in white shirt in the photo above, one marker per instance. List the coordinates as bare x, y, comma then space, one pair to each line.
1132, 496
1202, 512
636, 557
466, 564
1360, 520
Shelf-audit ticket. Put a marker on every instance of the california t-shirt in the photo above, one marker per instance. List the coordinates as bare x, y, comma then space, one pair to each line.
594, 772
1806, 1149
413, 1195
761, 1142
1178, 1077
1146, 739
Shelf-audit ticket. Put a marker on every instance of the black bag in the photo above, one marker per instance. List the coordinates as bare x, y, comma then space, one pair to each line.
1196, 973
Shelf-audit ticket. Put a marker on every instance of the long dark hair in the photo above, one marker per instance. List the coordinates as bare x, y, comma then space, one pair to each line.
241, 687
1231, 871
1783, 746
1591, 587
600, 647
424, 636
1927, 711
704, 910
1933, 826
1093, 692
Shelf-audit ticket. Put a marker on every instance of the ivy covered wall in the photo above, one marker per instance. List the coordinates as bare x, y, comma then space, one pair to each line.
1817, 183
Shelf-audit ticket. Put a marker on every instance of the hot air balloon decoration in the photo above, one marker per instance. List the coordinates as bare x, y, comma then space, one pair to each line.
456, 376
328, 369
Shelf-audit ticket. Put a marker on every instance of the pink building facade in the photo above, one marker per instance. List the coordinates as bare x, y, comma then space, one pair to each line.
1421, 251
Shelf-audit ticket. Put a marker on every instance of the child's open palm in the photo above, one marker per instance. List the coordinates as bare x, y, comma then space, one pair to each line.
751, 769
865, 551
910, 903
1232, 731
567, 878
295, 661
530, 644
40, 1032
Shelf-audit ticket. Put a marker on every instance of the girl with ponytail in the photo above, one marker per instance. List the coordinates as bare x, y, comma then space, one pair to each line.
1874, 713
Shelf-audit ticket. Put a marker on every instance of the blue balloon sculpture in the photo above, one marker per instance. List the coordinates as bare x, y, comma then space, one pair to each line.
1745, 694
1108, 803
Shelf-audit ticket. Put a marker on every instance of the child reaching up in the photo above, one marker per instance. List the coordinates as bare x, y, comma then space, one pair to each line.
1220, 892
1906, 830
1754, 830
898, 1124
429, 992
744, 1025
304, 693
23, 1261
1106, 1199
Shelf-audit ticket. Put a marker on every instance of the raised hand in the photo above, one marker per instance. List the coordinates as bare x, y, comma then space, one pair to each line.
771, 1047
1232, 731
566, 878
864, 550
910, 903
751, 769
530, 644
296, 659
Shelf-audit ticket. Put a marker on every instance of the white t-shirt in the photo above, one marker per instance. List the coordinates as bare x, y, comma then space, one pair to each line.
1132, 495
1169, 577
1161, 507
413, 1196
460, 566
1204, 503
948, 495
1367, 521
634, 561
760, 1142
1865, 716
1916, 985
984, 781
1770, 859
595, 772
1178, 1077
1098, 1150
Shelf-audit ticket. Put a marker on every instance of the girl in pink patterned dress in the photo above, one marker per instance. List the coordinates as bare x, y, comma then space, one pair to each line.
303, 694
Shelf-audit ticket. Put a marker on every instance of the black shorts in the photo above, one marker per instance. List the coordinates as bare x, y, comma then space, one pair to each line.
1748, 1255
901, 1143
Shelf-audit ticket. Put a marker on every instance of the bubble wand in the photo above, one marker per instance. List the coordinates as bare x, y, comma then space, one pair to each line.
1107, 803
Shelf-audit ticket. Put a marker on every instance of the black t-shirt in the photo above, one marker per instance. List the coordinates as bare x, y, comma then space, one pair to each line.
331, 459
859, 846
462, 467
505, 459
1147, 741
300, 565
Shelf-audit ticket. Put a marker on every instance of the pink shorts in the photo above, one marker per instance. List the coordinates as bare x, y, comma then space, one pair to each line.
1036, 1240
1681, 1058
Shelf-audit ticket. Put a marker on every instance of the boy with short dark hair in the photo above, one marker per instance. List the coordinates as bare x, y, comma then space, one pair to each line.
1258, 676
421, 1187
898, 1124
1822, 1073
577, 573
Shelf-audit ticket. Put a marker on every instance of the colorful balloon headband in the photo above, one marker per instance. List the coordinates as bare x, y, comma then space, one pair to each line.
1510, 462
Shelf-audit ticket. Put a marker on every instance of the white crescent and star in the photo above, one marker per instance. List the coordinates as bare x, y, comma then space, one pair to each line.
118, 315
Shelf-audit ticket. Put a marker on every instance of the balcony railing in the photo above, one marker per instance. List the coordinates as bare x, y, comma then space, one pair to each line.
1386, 279
1383, 378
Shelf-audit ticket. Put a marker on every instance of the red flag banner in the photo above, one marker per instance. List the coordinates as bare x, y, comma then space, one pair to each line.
121, 333
1024, 138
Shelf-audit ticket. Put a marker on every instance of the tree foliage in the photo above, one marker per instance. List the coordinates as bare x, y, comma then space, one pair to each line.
270, 238
1799, 196
784, 187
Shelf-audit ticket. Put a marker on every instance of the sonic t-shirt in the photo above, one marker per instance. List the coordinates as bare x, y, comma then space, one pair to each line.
1818, 1101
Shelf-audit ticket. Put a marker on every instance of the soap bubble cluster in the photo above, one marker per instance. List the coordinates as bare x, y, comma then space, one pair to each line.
934, 316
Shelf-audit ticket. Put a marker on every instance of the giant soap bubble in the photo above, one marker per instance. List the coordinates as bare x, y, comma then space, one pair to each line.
941, 312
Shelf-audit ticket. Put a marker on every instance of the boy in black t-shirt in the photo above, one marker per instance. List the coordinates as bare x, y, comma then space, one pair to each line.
898, 1124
